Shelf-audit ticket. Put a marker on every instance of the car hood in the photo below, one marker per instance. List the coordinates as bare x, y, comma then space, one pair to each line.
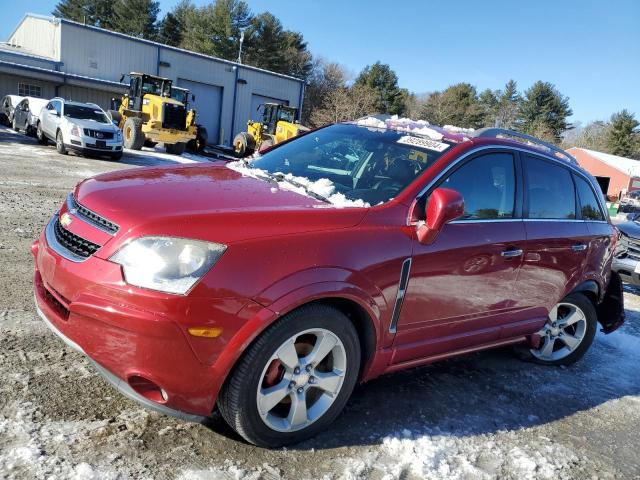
207, 202
631, 229
104, 127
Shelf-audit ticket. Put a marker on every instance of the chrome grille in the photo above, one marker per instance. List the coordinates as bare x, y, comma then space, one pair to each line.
100, 135
74, 243
90, 216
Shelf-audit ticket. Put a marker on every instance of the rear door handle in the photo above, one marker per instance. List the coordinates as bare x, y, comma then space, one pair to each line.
580, 247
512, 253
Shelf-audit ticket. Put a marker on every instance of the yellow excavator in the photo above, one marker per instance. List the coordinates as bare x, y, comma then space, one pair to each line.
278, 124
148, 115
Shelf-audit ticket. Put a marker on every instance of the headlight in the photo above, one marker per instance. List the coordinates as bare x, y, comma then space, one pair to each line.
118, 135
167, 264
74, 130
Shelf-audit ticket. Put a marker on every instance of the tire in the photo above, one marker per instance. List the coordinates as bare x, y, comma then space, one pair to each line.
60, 143
149, 144
243, 144
297, 382
116, 156
200, 142
42, 138
554, 347
175, 148
132, 133
115, 116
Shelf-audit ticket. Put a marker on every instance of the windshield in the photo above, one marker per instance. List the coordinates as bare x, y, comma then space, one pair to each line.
179, 95
156, 86
82, 112
360, 164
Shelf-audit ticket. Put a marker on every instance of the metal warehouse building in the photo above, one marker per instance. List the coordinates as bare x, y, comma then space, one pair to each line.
49, 57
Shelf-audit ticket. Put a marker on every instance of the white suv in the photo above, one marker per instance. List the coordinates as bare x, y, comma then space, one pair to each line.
82, 127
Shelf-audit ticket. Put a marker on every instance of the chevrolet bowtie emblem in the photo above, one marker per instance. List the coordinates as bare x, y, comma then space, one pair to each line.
65, 219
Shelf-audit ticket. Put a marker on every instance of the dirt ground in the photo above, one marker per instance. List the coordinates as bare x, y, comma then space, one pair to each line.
486, 415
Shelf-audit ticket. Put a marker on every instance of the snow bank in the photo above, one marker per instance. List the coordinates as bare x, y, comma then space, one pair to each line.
301, 185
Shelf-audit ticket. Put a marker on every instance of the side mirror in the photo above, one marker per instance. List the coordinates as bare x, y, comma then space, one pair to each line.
445, 205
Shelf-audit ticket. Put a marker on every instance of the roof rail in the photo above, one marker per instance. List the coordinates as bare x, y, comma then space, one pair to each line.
503, 132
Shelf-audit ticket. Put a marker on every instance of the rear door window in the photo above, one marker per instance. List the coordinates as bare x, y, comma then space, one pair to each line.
589, 206
550, 190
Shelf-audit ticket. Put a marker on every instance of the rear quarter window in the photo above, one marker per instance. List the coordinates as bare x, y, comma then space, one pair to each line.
589, 206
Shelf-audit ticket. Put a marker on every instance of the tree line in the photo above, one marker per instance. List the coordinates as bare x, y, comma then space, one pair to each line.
332, 94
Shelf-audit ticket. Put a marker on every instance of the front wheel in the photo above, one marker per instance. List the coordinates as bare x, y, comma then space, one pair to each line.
60, 144
42, 139
568, 333
295, 379
175, 148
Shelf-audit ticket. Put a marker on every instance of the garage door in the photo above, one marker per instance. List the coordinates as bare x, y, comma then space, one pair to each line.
257, 101
208, 105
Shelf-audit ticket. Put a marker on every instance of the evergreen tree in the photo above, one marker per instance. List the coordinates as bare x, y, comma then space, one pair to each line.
622, 136
508, 108
488, 101
136, 17
267, 45
90, 12
170, 30
383, 80
457, 105
544, 111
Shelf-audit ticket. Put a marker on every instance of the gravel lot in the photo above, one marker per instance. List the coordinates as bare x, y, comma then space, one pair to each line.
486, 415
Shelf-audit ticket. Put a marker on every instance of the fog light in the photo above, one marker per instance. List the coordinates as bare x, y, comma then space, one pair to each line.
208, 332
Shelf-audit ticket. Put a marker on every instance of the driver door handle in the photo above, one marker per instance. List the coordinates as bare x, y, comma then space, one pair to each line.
512, 253
580, 247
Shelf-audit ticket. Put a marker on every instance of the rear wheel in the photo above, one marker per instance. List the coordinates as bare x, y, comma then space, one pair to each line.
175, 148
198, 143
60, 143
132, 132
568, 333
42, 139
295, 379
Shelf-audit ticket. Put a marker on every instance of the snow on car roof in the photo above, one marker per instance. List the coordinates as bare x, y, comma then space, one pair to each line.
416, 127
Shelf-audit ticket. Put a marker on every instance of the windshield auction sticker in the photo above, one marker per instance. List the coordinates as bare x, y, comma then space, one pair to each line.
424, 143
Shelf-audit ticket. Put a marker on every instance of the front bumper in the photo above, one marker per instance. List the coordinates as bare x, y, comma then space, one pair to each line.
626, 268
132, 334
120, 385
158, 134
92, 146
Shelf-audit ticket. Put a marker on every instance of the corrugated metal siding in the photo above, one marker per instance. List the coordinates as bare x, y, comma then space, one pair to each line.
39, 36
9, 56
9, 85
80, 94
97, 54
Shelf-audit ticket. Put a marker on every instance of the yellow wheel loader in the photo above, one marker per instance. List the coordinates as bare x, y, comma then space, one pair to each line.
148, 115
183, 95
278, 124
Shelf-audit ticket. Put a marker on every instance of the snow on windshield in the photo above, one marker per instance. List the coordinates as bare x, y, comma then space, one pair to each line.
302, 185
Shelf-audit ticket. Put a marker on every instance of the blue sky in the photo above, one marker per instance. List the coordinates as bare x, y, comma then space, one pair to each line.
589, 49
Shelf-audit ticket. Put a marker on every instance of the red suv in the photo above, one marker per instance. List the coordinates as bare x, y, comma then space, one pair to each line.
267, 289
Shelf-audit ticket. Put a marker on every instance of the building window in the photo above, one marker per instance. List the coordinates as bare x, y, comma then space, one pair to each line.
28, 90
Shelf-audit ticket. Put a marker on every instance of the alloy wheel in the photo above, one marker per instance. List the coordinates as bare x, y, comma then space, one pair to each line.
562, 334
301, 380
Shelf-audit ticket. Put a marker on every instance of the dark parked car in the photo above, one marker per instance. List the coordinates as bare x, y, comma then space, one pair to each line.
627, 255
267, 289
